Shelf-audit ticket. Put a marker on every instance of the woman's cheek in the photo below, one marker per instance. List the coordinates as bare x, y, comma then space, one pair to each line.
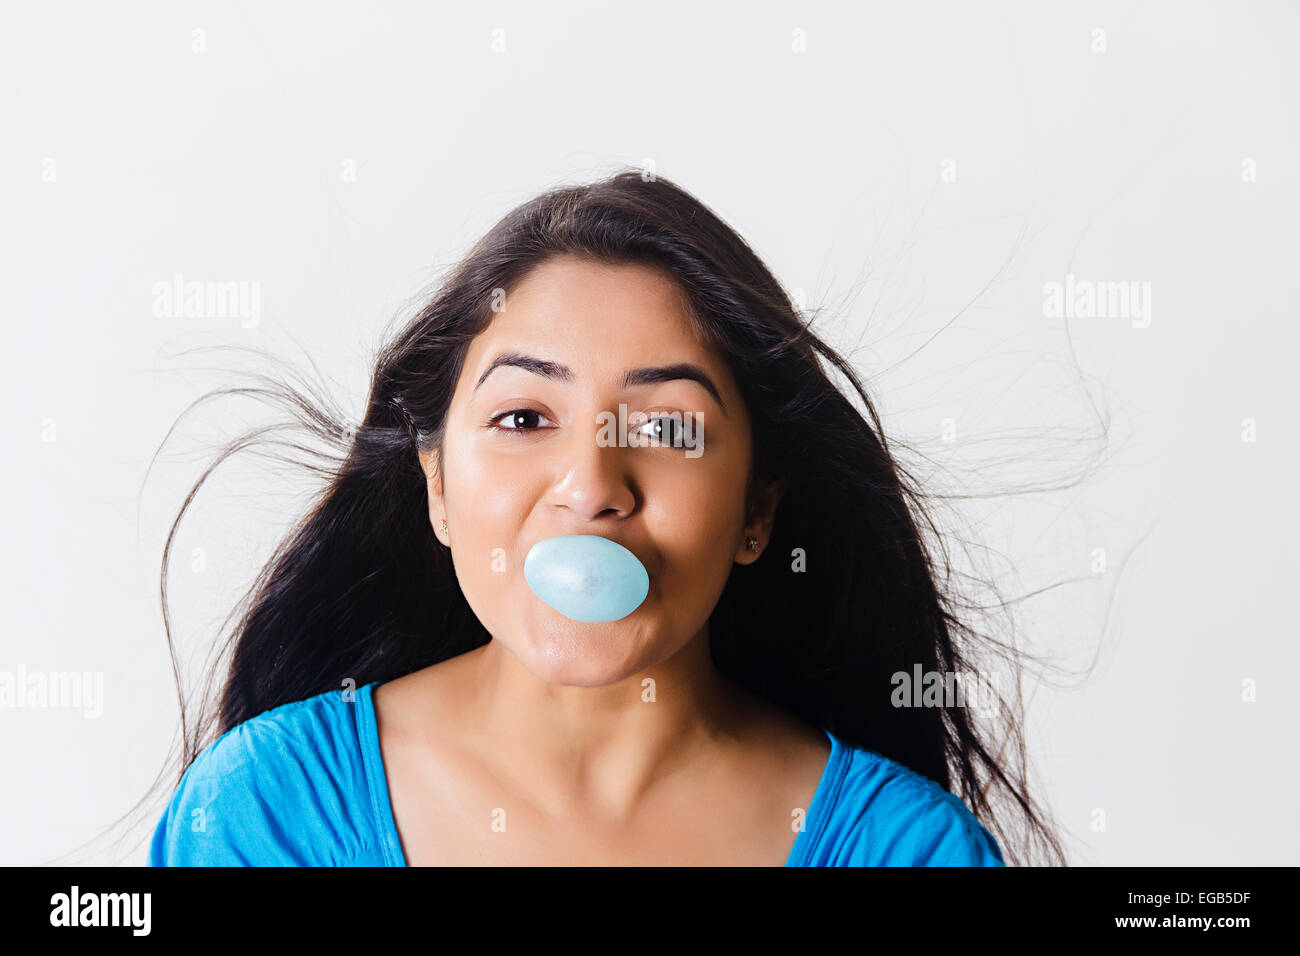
694, 529
486, 509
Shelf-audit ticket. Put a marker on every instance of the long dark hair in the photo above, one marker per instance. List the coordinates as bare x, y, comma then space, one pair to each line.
855, 588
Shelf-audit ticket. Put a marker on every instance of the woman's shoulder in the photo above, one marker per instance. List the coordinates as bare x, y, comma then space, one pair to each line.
881, 813
288, 787
313, 735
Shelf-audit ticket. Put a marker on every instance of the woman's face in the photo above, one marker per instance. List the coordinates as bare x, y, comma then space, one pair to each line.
527, 455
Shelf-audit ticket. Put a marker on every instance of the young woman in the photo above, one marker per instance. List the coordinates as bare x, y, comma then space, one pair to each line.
610, 573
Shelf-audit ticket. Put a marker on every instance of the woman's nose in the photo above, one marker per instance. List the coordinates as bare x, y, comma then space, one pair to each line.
593, 477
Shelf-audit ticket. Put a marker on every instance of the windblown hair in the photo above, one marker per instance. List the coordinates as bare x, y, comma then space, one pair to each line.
362, 589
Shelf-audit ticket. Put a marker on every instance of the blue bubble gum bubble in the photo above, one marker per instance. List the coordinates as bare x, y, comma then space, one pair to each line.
586, 577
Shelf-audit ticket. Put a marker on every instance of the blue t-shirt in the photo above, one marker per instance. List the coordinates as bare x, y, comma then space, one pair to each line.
303, 785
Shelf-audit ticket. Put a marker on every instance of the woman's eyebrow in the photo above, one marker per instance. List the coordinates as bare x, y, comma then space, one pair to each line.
652, 375
528, 363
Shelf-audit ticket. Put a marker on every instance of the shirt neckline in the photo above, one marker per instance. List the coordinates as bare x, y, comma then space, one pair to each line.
818, 812
377, 780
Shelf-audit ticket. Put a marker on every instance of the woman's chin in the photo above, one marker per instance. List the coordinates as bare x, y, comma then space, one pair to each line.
559, 650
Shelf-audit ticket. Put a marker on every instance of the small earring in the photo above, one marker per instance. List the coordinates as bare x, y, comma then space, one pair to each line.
751, 543
443, 525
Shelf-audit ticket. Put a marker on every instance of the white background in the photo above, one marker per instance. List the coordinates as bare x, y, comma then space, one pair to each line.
129, 156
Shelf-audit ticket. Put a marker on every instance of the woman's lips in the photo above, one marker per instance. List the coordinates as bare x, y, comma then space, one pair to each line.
586, 577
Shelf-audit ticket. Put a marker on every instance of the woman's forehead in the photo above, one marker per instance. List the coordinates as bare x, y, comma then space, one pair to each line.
569, 289
594, 319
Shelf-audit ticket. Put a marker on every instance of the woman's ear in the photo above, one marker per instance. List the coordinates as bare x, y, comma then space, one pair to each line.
430, 462
759, 526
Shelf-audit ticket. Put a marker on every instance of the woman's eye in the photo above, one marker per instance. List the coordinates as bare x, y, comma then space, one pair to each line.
519, 419
663, 430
